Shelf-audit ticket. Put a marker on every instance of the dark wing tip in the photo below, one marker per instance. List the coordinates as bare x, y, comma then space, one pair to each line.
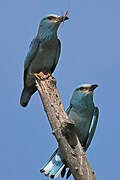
68, 174
52, 176
42, 170
63, 172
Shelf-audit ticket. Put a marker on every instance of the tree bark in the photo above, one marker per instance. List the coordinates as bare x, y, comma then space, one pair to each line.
63, 130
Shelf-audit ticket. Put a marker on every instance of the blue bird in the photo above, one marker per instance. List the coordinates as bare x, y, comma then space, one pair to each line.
43, 55
85, 116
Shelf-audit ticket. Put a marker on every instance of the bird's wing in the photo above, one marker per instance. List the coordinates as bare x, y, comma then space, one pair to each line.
68, 109
31, 53
92, 127
57, 56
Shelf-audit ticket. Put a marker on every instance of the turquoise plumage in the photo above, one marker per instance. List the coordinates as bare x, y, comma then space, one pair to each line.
43, 54
85, 115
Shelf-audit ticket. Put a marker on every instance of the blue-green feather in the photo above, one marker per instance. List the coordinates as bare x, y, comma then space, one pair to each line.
31, 53
85, 115
92, 127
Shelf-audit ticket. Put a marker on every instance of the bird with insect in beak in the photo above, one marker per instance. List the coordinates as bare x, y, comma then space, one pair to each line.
43, 55
85, 116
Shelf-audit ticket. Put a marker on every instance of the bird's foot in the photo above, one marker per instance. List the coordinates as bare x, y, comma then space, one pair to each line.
47, 75
42, 76
37, 76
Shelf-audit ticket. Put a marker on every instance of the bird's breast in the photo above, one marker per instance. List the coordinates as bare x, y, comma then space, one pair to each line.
44, 58
82, 124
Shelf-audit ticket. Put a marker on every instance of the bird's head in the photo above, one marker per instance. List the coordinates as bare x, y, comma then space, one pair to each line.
51, 23
83, 92
86, 88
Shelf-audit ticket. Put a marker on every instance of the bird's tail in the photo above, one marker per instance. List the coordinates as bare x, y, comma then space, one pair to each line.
26, 95
54, 166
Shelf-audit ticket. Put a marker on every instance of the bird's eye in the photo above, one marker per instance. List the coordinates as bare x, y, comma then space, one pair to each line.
81, 88
85, 88
50, 17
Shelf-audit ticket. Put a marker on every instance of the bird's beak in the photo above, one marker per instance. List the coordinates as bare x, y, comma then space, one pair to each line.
62, 18
92, 87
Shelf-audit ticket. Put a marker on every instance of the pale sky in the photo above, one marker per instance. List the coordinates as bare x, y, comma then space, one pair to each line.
90, 54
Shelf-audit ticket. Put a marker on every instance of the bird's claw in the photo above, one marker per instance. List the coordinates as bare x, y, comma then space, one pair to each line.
42, 76
37, 76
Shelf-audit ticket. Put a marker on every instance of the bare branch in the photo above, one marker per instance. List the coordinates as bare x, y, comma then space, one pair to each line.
63, 129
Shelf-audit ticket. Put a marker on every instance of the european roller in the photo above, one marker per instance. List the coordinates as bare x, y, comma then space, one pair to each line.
43, 55
85, 116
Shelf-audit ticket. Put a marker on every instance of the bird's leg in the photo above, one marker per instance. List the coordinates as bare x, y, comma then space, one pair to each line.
42, 76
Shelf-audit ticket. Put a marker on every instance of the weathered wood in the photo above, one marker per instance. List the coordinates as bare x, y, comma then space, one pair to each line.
63, 129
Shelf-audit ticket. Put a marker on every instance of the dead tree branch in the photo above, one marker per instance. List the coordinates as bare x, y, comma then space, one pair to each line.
63, 129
